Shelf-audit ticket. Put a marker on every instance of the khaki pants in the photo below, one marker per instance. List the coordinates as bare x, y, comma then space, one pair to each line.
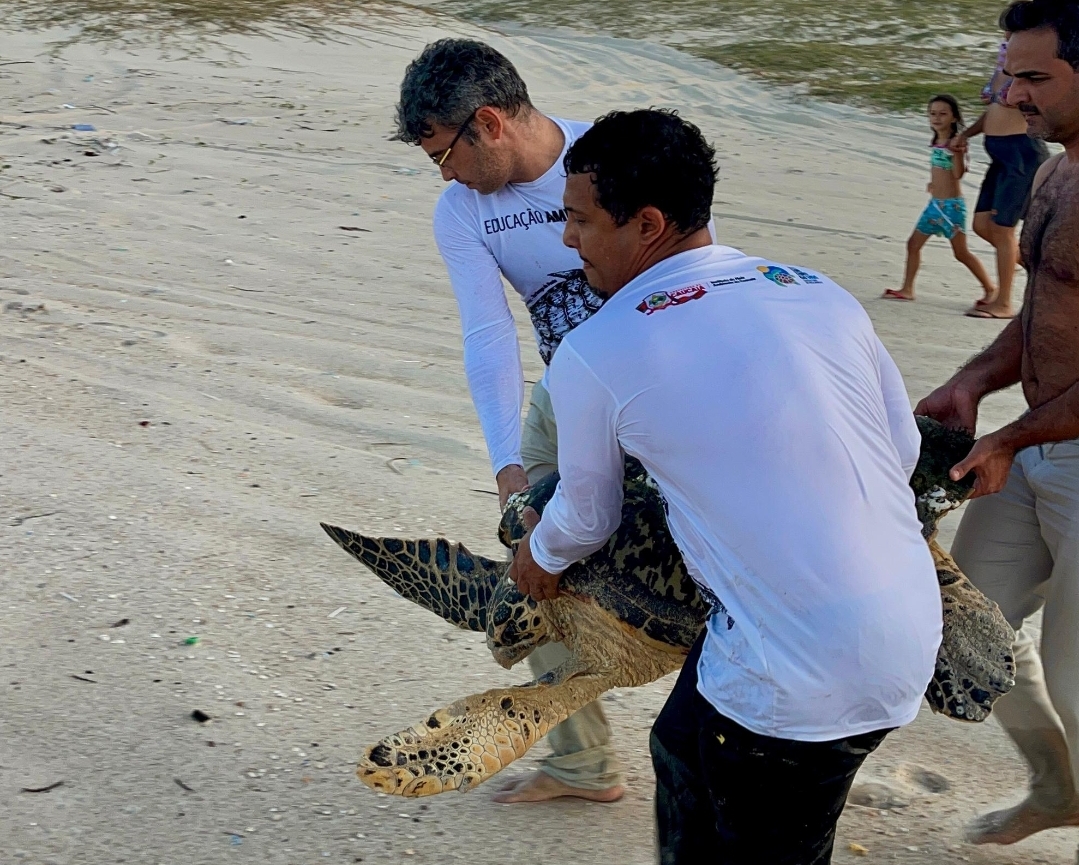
1021, 548
581, 753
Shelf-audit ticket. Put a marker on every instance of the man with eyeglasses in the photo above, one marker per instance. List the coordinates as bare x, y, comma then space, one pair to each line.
466, 106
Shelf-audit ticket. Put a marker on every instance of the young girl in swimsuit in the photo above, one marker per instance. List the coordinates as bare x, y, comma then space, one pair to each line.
946, 213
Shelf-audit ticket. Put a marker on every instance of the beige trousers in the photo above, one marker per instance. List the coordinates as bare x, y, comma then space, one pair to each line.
1021, 548
581, 753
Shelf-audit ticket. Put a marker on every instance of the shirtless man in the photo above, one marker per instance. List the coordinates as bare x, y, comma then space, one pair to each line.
1003, 198
1019, 539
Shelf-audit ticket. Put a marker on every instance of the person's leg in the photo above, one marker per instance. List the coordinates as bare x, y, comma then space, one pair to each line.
582, 763
915, 242
967, 258
1014, 158
1006, 247
775, 795
539, 436
685, 819
999, 546
983, 208
1056, 484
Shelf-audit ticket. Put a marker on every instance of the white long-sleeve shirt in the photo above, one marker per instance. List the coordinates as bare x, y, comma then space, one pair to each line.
516, 231
779, 432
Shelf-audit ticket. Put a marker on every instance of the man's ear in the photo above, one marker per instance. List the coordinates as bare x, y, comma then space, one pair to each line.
490, 123
651, 223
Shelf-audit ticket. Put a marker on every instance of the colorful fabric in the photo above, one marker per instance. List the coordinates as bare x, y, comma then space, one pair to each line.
941, 157
944, 216
991, 93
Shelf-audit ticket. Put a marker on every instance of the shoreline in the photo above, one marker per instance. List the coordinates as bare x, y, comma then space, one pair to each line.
858, 64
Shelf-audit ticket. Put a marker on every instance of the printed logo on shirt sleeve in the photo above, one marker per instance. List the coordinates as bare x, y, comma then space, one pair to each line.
806, 277
662, 299
777, 274
733, 280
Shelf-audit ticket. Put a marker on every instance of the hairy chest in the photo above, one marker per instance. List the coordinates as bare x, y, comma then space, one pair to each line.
1050, 239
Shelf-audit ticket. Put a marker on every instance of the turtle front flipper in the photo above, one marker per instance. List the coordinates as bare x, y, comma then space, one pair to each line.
466, 743
935, 493
975, 664
441, 576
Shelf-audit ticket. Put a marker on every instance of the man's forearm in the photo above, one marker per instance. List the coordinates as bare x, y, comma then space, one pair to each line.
496, 382
568, 534
1054, 421
999, 366
975, 129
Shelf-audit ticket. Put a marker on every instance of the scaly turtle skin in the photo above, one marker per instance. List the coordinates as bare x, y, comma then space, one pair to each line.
629, 614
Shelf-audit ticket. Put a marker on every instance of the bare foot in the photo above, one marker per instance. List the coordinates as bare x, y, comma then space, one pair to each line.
989, 310
900, 294
1015, 824
988, 300
541, 787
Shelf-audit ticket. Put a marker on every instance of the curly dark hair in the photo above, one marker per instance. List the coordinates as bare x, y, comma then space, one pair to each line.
1060, 16
449, 80
649, 157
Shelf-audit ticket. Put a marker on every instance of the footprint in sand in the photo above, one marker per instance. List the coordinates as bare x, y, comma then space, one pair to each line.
923, 779
877, 794
910, 781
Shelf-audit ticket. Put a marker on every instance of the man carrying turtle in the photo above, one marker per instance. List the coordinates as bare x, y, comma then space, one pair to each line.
469, 110
779, 433
1019, 541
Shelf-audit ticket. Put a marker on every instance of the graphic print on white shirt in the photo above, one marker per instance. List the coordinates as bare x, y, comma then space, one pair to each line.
560, 305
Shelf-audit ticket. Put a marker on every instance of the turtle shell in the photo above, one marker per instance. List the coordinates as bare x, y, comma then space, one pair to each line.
638, 575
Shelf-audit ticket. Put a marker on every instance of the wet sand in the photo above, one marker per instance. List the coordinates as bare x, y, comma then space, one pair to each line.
222, 320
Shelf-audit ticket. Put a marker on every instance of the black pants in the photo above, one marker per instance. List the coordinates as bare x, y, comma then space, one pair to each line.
726, 796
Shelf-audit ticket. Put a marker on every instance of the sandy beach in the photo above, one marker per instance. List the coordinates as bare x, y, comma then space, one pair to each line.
223, 319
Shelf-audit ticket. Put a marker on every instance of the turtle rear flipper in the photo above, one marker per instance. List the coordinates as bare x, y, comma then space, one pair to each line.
439, 575
975, 664
466, 743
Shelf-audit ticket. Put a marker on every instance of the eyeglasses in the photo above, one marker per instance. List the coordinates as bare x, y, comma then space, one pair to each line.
441, 160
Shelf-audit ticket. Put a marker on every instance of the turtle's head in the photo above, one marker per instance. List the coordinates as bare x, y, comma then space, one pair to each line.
935, 493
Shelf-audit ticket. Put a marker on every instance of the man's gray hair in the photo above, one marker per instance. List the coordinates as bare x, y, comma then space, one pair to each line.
451, 79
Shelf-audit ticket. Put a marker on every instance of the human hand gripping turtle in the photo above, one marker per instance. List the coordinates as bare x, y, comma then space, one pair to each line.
955, 405
510, 479
530, 578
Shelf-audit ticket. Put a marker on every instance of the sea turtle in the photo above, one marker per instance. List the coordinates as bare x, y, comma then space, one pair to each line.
629, 614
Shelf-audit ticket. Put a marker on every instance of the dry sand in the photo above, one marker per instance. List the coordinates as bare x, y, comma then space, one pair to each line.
199, 363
